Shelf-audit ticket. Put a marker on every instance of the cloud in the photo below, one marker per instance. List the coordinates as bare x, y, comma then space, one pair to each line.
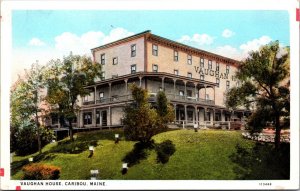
197, 40
254, 44
82, 44
229, 51
227, 33
36, 42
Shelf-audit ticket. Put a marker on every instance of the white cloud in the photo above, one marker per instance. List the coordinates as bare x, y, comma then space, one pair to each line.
64, 43
227, 33
254, 44
36, 42
82, 44
229, 51
197, 40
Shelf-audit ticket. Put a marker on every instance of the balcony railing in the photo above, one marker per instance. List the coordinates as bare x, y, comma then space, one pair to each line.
152, 98
189, 99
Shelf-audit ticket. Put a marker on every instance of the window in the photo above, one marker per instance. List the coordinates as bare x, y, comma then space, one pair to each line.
154, 50
201, 62
218, 82
175, 55
102, 58
181, 93
87, 118
227, 85
133, 68
189, 75
202, 77
209, 64
155, 68
85, 98
133, 50
217, 66
114, 76
176, 72
101, 95
189, 93
227, 69
115, 60
102, 76
237, 84
189, 59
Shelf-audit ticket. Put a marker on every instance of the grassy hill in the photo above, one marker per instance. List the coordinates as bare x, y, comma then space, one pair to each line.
204, 155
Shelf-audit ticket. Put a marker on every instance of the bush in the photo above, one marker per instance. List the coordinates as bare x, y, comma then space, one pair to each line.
164, 151
25, 139
40, 171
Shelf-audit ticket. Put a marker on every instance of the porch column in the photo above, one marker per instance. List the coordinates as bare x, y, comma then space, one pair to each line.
196, 113
79, 124
140, 81
185, 114
126, 85
185, 89
110, 117
214, 94
205, 93
95, 94
109, 92
175, 111
214, 112
162, 83
94, 117
195, 90
174, 88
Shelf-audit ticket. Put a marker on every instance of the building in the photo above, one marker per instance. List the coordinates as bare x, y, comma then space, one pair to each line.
194, 80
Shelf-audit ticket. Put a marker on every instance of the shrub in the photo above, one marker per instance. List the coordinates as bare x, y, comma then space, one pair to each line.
40, 171
164, 151
73, 147
25, 139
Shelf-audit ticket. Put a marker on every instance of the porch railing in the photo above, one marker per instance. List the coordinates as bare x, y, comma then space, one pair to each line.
152, 98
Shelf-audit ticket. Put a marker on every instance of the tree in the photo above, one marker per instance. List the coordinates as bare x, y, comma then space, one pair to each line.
265, 86
66, 83
26, 100
141, 120
164, 109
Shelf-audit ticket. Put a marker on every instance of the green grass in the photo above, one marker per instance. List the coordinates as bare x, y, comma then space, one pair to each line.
204, 155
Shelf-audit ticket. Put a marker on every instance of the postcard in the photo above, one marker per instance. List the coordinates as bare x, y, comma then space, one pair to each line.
161, 94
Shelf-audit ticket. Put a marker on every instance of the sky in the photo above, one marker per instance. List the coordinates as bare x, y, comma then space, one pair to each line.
44, 35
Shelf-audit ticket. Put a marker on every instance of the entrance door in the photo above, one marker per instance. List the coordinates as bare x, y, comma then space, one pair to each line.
98, 117
104, 118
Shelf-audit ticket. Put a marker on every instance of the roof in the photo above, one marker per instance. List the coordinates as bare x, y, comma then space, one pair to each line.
168, 42
122, 40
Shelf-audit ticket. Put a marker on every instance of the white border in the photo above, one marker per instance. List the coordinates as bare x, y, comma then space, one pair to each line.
6, 60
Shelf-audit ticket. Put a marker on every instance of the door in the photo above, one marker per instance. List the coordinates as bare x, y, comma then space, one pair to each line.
104, 118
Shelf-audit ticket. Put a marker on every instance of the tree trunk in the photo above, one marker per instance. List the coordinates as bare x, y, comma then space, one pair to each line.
277, 131
38, 132
71, 130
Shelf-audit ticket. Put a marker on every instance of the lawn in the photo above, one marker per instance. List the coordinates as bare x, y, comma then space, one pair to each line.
202, 155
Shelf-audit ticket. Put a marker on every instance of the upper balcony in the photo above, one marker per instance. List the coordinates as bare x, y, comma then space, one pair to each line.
173, 98
177, 88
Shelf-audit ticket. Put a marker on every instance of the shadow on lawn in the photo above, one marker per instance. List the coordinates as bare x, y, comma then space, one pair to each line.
138, 153
262, 162
74, 147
